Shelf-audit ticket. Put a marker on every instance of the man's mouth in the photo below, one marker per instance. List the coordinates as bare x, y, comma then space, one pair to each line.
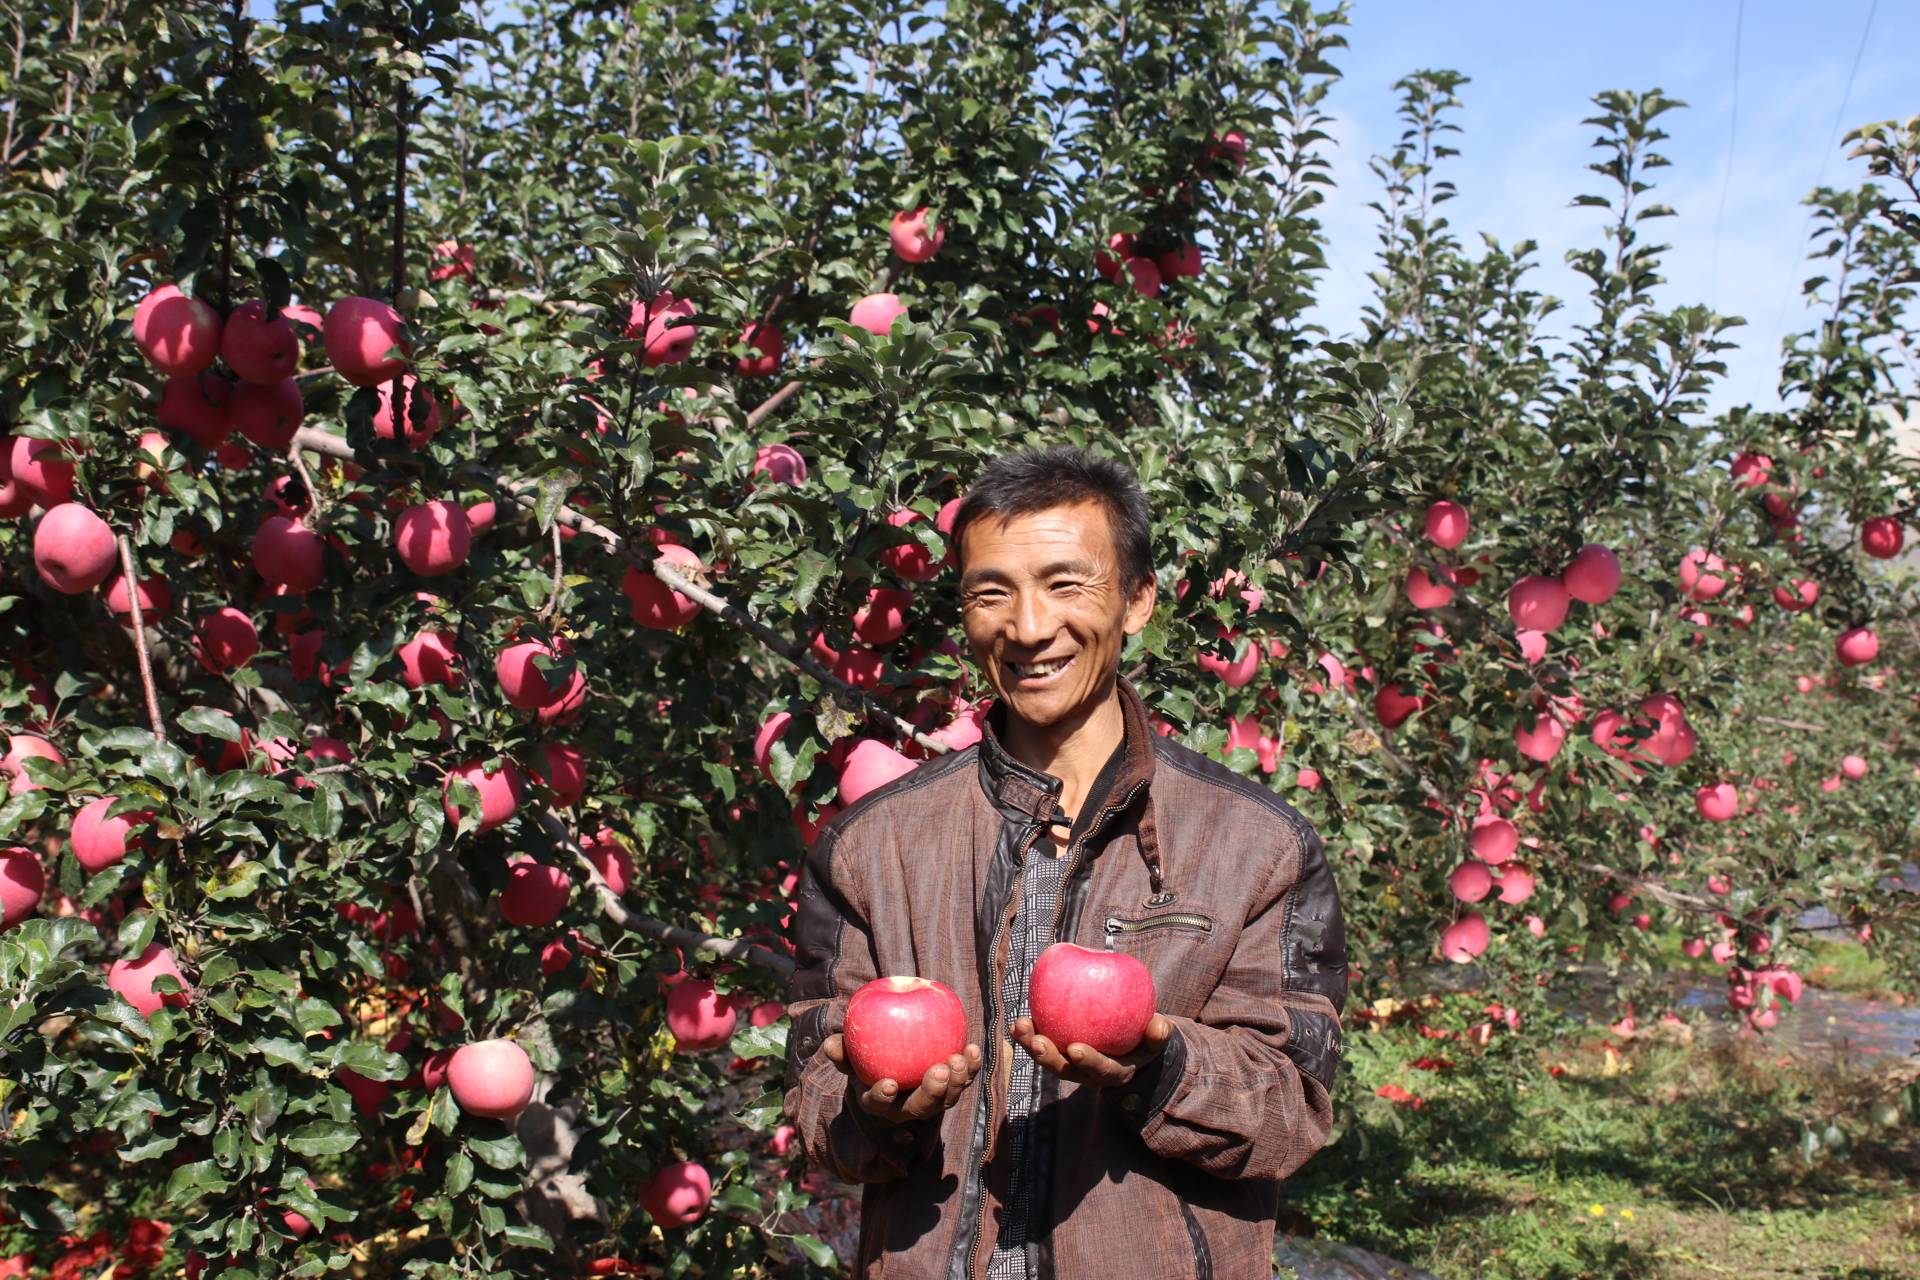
1033, 674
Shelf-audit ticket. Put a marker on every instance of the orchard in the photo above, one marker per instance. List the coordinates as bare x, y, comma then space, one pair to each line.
475, 503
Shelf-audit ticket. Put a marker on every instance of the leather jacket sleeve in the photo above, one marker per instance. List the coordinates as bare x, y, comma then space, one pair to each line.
834, 954
1244, 1090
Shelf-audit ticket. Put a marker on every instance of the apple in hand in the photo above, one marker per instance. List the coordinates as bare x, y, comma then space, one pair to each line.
899, 1027
1102, 999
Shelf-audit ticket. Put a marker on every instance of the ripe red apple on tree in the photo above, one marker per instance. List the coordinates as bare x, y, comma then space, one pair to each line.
22, 881
1797, 595
492, 1078
1856, 646
286, 551
1717, 802
433, 538
1537, 604
199, 405
224, 640
430, 658
73, 549
655, 604
883, 618
914, 237
1702, 575
359, 333
177, 334
99, 841
267, 413
898, 1027
527, 687
500, 792
421, 407
660, 322
678, 1195
1424, 593
1465, 938
1102, 999
1471, 881
769, 342
1593, 575
1393, 707
535, 893
876, 313
699, 1017
133, 980
257, 349
910, 559
562, 769
1881, 537
1446, 524
780, 463
40, 469
452, 261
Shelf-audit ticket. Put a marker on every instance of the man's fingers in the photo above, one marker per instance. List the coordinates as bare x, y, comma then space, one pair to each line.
835, 1047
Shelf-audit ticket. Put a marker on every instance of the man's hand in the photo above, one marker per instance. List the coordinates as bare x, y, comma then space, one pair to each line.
1083, 1064
938, 1090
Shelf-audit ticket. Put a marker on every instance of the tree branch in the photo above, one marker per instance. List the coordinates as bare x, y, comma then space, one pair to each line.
131, 573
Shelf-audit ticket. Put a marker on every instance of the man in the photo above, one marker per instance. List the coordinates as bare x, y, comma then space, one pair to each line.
1072, 820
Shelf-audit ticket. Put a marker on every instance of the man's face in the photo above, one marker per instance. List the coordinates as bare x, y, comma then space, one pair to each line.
1042, 590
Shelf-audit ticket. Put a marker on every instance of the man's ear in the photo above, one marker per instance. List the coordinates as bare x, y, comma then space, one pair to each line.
1140, 608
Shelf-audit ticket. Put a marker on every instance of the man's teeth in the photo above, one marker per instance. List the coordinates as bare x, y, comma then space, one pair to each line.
1040, 668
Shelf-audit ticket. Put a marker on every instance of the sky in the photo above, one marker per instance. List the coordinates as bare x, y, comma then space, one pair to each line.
1751, 141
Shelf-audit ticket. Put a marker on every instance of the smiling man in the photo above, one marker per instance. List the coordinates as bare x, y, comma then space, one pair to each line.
1070, 821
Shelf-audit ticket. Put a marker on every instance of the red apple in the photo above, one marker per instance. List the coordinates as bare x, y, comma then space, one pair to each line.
883, 619
914, 238
99, 841
1102, 999
22, 881
1446, 524
876, 313
1717, 802
529, 688
699, 1017
1537, 604
769, 342
177, 334
535, 895
419, 406
259, 350
1424, 592
897, 1028
655, 604
268, 413
359, 334
562, 769
659, 322
452, 261
1593, 575
909, 559
491, 1078
780, 463
1881, 537
433, 538
500, 792
41, 471
430, 658
678, 1195
73, 549
133, 980
225, 639
286, 551
199, 405
1465, 938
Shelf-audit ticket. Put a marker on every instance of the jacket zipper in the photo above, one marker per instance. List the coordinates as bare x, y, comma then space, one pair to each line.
1115, 926
995, 980
1073, 853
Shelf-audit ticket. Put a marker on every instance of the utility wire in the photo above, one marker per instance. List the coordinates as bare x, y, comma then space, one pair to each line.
1733, 135
1839, 117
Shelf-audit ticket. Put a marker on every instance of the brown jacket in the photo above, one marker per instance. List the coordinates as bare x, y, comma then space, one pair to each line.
1210, 879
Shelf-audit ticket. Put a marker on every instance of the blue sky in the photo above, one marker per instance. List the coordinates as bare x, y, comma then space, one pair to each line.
1534, 66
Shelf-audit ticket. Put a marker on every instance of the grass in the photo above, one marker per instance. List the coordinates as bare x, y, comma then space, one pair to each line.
1654, 1159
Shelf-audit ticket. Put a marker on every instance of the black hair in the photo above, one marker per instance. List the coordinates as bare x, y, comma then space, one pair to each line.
1062, 475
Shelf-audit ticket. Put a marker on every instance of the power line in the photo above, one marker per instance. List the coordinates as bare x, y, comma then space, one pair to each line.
1839, 118
1733, 135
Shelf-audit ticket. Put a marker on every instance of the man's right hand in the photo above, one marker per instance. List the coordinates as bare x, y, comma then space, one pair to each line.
939, 1089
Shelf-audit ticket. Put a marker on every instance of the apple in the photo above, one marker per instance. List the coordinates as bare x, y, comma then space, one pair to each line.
1102, 999
433, 538
369, 1096
22, 747
1231, 146
1751, 470
1702, 576
1424, 592
562, 769
1593, 575
536, 893
1543, 740
199, 405
771, 731
420, 409
910, 559
452, 261
22, 881
529, 689
492, 1078
1853, 767
660, 322
1182, 261
1537, 604
359, 333
259, 350
769, 342
1471, 881
99, 841
871, 764
1856, 645
883, 618
1393, 706
898, 1027
1446, 524
611, 859
699, 1017
430, 658
267, 413
501, 792
913, 237
1717, 802
1144, 276
655, 604
876, 313
40, 469
286, 551
780, 463
1797, 595
1494, 839
1881, 537
225, 639
73, 549
1516, 882
678, 1195
133, 980
177, 334
1237, 672
1107, 263
1465, 938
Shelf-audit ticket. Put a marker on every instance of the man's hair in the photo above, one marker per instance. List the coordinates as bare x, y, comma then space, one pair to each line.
1020, 484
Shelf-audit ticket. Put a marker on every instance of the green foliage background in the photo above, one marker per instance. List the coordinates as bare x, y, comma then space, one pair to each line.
749, 157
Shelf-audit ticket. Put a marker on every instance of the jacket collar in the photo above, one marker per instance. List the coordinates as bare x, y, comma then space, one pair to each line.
1013, 784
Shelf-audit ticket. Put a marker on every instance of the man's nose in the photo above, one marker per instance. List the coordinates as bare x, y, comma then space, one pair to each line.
1033, 622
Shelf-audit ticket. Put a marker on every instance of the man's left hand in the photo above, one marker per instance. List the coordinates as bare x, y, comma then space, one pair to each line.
1083, 1064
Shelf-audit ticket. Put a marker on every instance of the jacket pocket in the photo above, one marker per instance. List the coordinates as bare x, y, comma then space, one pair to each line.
1116, 927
